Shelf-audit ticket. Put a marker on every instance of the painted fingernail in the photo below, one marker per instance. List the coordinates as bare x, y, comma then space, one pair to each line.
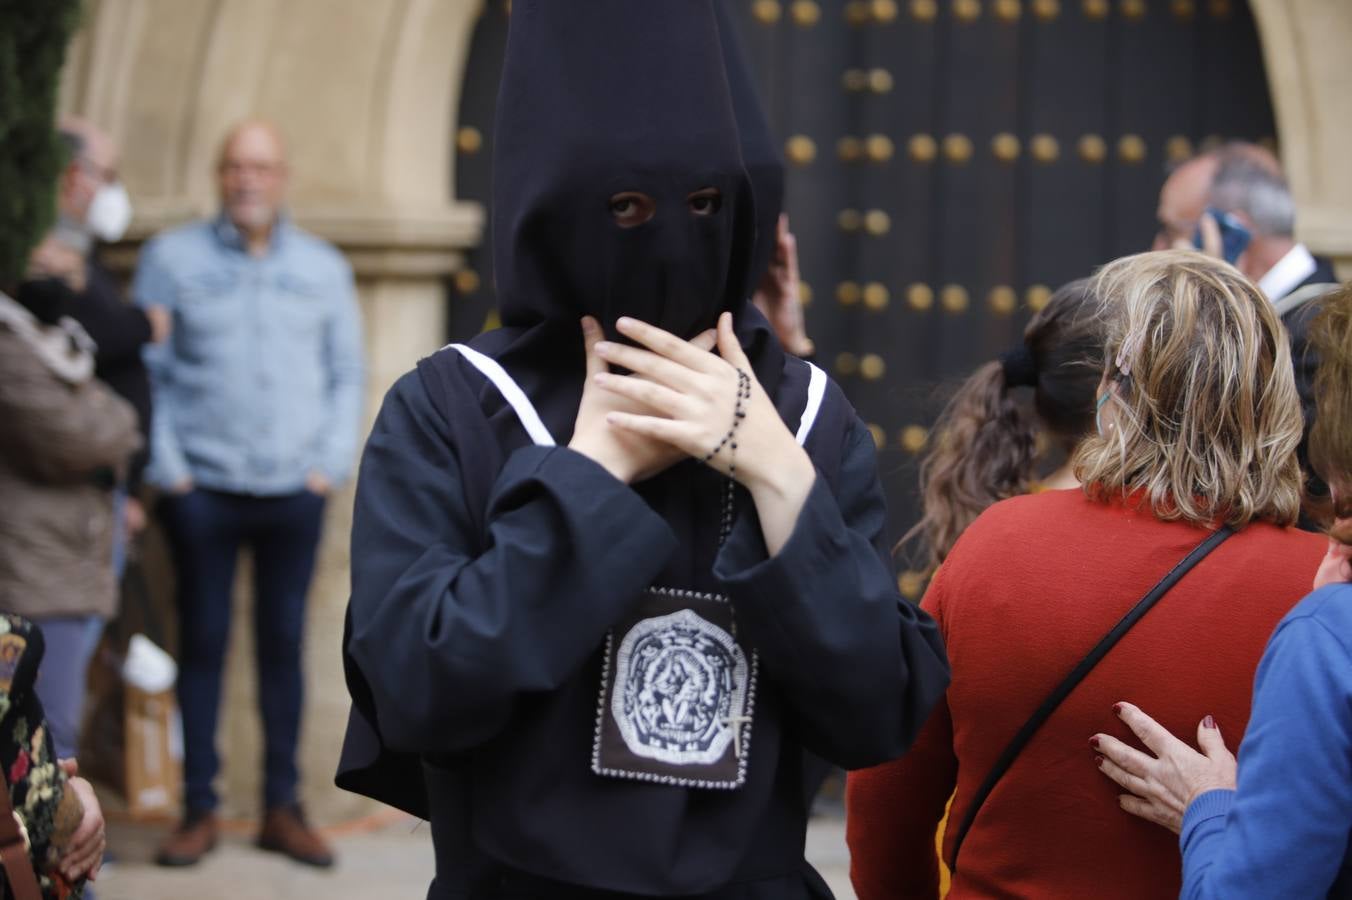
1209, 722
1098, 761
1094, 742
1117, 708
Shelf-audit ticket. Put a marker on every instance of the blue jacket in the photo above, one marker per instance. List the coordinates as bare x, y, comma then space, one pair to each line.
261, 382
1284, 832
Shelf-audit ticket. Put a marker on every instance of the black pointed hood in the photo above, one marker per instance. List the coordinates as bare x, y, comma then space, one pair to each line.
760, 151
601, 97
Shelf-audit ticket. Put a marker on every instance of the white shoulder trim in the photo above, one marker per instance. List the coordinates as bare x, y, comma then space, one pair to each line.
1289, 271
511, 392
816, 390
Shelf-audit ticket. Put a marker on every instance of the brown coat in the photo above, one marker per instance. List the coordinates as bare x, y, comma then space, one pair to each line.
58, 428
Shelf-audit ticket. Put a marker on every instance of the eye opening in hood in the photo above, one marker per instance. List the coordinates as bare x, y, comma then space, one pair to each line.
705, 201
632, 208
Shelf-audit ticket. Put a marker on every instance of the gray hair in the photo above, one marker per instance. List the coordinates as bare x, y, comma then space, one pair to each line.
1246, 183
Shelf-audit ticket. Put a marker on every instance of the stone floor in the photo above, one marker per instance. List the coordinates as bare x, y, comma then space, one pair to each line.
387, 857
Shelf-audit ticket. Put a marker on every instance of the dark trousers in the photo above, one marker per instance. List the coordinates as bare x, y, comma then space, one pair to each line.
206, 530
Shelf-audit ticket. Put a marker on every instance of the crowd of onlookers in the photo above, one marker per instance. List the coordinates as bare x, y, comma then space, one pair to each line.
229, 387
1202, 410
1197, 410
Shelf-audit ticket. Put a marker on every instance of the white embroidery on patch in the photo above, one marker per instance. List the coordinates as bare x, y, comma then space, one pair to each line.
680, 689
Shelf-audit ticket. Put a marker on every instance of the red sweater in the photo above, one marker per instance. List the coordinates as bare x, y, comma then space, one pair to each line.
1030, 587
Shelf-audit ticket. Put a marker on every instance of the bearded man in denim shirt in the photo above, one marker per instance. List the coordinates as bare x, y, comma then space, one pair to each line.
258, 399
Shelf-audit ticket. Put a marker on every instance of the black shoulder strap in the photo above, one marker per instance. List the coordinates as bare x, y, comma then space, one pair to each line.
1086, 665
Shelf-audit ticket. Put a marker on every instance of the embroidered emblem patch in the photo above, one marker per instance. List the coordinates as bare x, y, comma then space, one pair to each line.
678, 680
677, 695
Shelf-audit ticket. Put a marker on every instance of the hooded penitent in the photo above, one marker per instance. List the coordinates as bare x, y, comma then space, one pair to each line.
499, 583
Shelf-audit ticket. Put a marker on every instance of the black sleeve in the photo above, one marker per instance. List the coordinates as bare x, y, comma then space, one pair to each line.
860, 666
449, 622
120, 329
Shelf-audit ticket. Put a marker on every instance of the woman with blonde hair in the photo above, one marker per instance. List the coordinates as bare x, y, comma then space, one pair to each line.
1163, 577
1279, 826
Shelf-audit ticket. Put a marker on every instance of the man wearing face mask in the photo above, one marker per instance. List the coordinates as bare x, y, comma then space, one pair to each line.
602, 625
93, 207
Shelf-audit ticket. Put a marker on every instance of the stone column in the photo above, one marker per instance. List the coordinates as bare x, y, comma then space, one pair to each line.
1305, 49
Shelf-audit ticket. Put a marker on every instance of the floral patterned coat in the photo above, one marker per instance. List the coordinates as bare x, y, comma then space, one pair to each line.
48, 814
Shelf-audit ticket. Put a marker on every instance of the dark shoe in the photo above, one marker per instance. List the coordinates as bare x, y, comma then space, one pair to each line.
193, 839
285, 831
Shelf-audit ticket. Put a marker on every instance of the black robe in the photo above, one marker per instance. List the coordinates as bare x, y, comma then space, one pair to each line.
487, 570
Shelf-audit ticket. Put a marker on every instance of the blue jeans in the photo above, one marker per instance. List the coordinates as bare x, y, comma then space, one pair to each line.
69, 643
206, 531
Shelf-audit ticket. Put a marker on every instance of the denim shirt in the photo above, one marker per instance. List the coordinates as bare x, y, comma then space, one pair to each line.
260, 383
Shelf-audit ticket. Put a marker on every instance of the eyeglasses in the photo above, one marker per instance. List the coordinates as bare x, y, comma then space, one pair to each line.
104, 174
232, 167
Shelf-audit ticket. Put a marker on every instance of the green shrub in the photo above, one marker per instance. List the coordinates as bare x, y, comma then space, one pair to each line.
33, 38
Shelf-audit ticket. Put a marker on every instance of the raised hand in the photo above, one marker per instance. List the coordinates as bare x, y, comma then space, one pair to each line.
1336, 566
54, 259
1212, 242
778, 296
693, 401
628, 456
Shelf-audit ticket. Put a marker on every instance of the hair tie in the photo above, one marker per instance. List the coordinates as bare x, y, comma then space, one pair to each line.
1020, 367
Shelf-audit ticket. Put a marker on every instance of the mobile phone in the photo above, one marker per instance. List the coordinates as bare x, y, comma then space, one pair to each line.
1234, 236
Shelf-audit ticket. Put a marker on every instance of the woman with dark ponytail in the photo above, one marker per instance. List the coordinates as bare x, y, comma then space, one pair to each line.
1054, 606
985, 443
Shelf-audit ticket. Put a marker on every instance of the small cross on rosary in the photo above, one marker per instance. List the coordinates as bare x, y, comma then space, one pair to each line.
735, 723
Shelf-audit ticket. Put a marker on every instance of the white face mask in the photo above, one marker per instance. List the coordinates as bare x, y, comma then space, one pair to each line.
109, 212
